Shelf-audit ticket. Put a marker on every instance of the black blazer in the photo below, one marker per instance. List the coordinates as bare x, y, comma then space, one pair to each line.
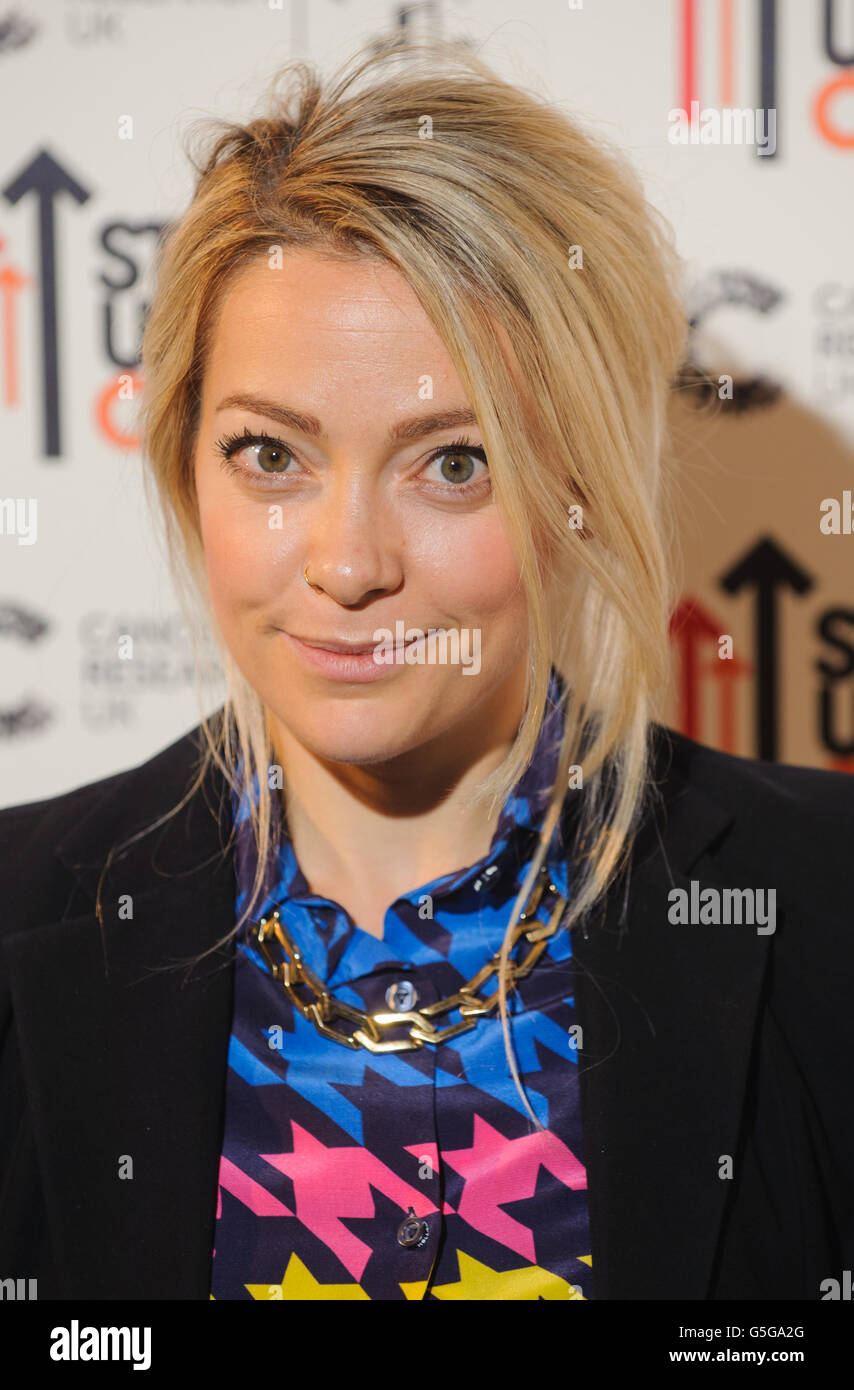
699, 1041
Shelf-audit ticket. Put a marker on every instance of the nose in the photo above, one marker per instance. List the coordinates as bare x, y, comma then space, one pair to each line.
354, 543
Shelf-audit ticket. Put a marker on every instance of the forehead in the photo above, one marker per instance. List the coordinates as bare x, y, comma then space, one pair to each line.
327, 335
311, 293
334, 330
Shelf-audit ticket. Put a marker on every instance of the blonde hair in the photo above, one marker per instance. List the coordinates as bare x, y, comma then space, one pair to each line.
497, 209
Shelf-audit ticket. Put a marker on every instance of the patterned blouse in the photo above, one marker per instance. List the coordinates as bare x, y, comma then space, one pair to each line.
349, 1174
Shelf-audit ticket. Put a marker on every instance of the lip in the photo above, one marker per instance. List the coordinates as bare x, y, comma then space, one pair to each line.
347, 648
343, 661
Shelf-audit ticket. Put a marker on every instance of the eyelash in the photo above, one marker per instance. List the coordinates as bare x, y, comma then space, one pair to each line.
230, 444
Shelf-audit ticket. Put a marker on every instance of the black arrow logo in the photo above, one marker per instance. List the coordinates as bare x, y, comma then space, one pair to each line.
767, 568
46, 178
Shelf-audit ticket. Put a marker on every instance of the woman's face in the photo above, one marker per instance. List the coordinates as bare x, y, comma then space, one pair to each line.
348, 398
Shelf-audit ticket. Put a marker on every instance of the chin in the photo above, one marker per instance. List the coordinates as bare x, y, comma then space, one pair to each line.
354, 746
364, 727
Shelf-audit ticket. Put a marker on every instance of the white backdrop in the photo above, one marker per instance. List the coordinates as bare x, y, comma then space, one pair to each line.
768, 241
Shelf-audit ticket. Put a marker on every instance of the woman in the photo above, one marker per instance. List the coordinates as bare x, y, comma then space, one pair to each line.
402, 976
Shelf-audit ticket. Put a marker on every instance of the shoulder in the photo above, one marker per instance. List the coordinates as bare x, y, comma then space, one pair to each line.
49, 815
40, 822
42, 841
771, 825
782, 828
796, 818
748, 783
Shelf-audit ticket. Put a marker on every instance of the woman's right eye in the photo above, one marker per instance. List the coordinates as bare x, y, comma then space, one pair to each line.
272, 455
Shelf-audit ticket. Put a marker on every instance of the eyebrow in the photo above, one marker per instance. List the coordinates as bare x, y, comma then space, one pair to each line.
414, 428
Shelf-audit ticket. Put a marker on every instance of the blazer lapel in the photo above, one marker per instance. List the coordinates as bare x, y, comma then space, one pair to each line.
668, 1013
124, 1050
124, 1055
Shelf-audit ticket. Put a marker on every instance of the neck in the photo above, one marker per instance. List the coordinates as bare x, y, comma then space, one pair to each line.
366, 834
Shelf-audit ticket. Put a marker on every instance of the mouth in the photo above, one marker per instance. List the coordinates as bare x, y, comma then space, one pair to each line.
344, 648
349, 662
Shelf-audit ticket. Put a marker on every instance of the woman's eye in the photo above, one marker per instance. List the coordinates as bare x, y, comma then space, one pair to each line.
272, 458
458, 465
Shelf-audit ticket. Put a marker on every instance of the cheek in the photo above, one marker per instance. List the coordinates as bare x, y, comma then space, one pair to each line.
475, 572
243, 553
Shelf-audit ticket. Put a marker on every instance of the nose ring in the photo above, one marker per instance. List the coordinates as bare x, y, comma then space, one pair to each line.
307, 580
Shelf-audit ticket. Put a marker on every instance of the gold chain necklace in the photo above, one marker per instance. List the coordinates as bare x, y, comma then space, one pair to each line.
366, 1030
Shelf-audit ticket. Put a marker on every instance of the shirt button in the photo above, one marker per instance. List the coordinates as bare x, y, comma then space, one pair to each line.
402, 997
412, 1233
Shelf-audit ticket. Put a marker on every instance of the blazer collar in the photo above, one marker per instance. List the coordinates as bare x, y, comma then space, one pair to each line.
124, 1045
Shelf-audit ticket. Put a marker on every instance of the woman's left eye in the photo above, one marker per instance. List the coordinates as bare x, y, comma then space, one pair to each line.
458, 467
